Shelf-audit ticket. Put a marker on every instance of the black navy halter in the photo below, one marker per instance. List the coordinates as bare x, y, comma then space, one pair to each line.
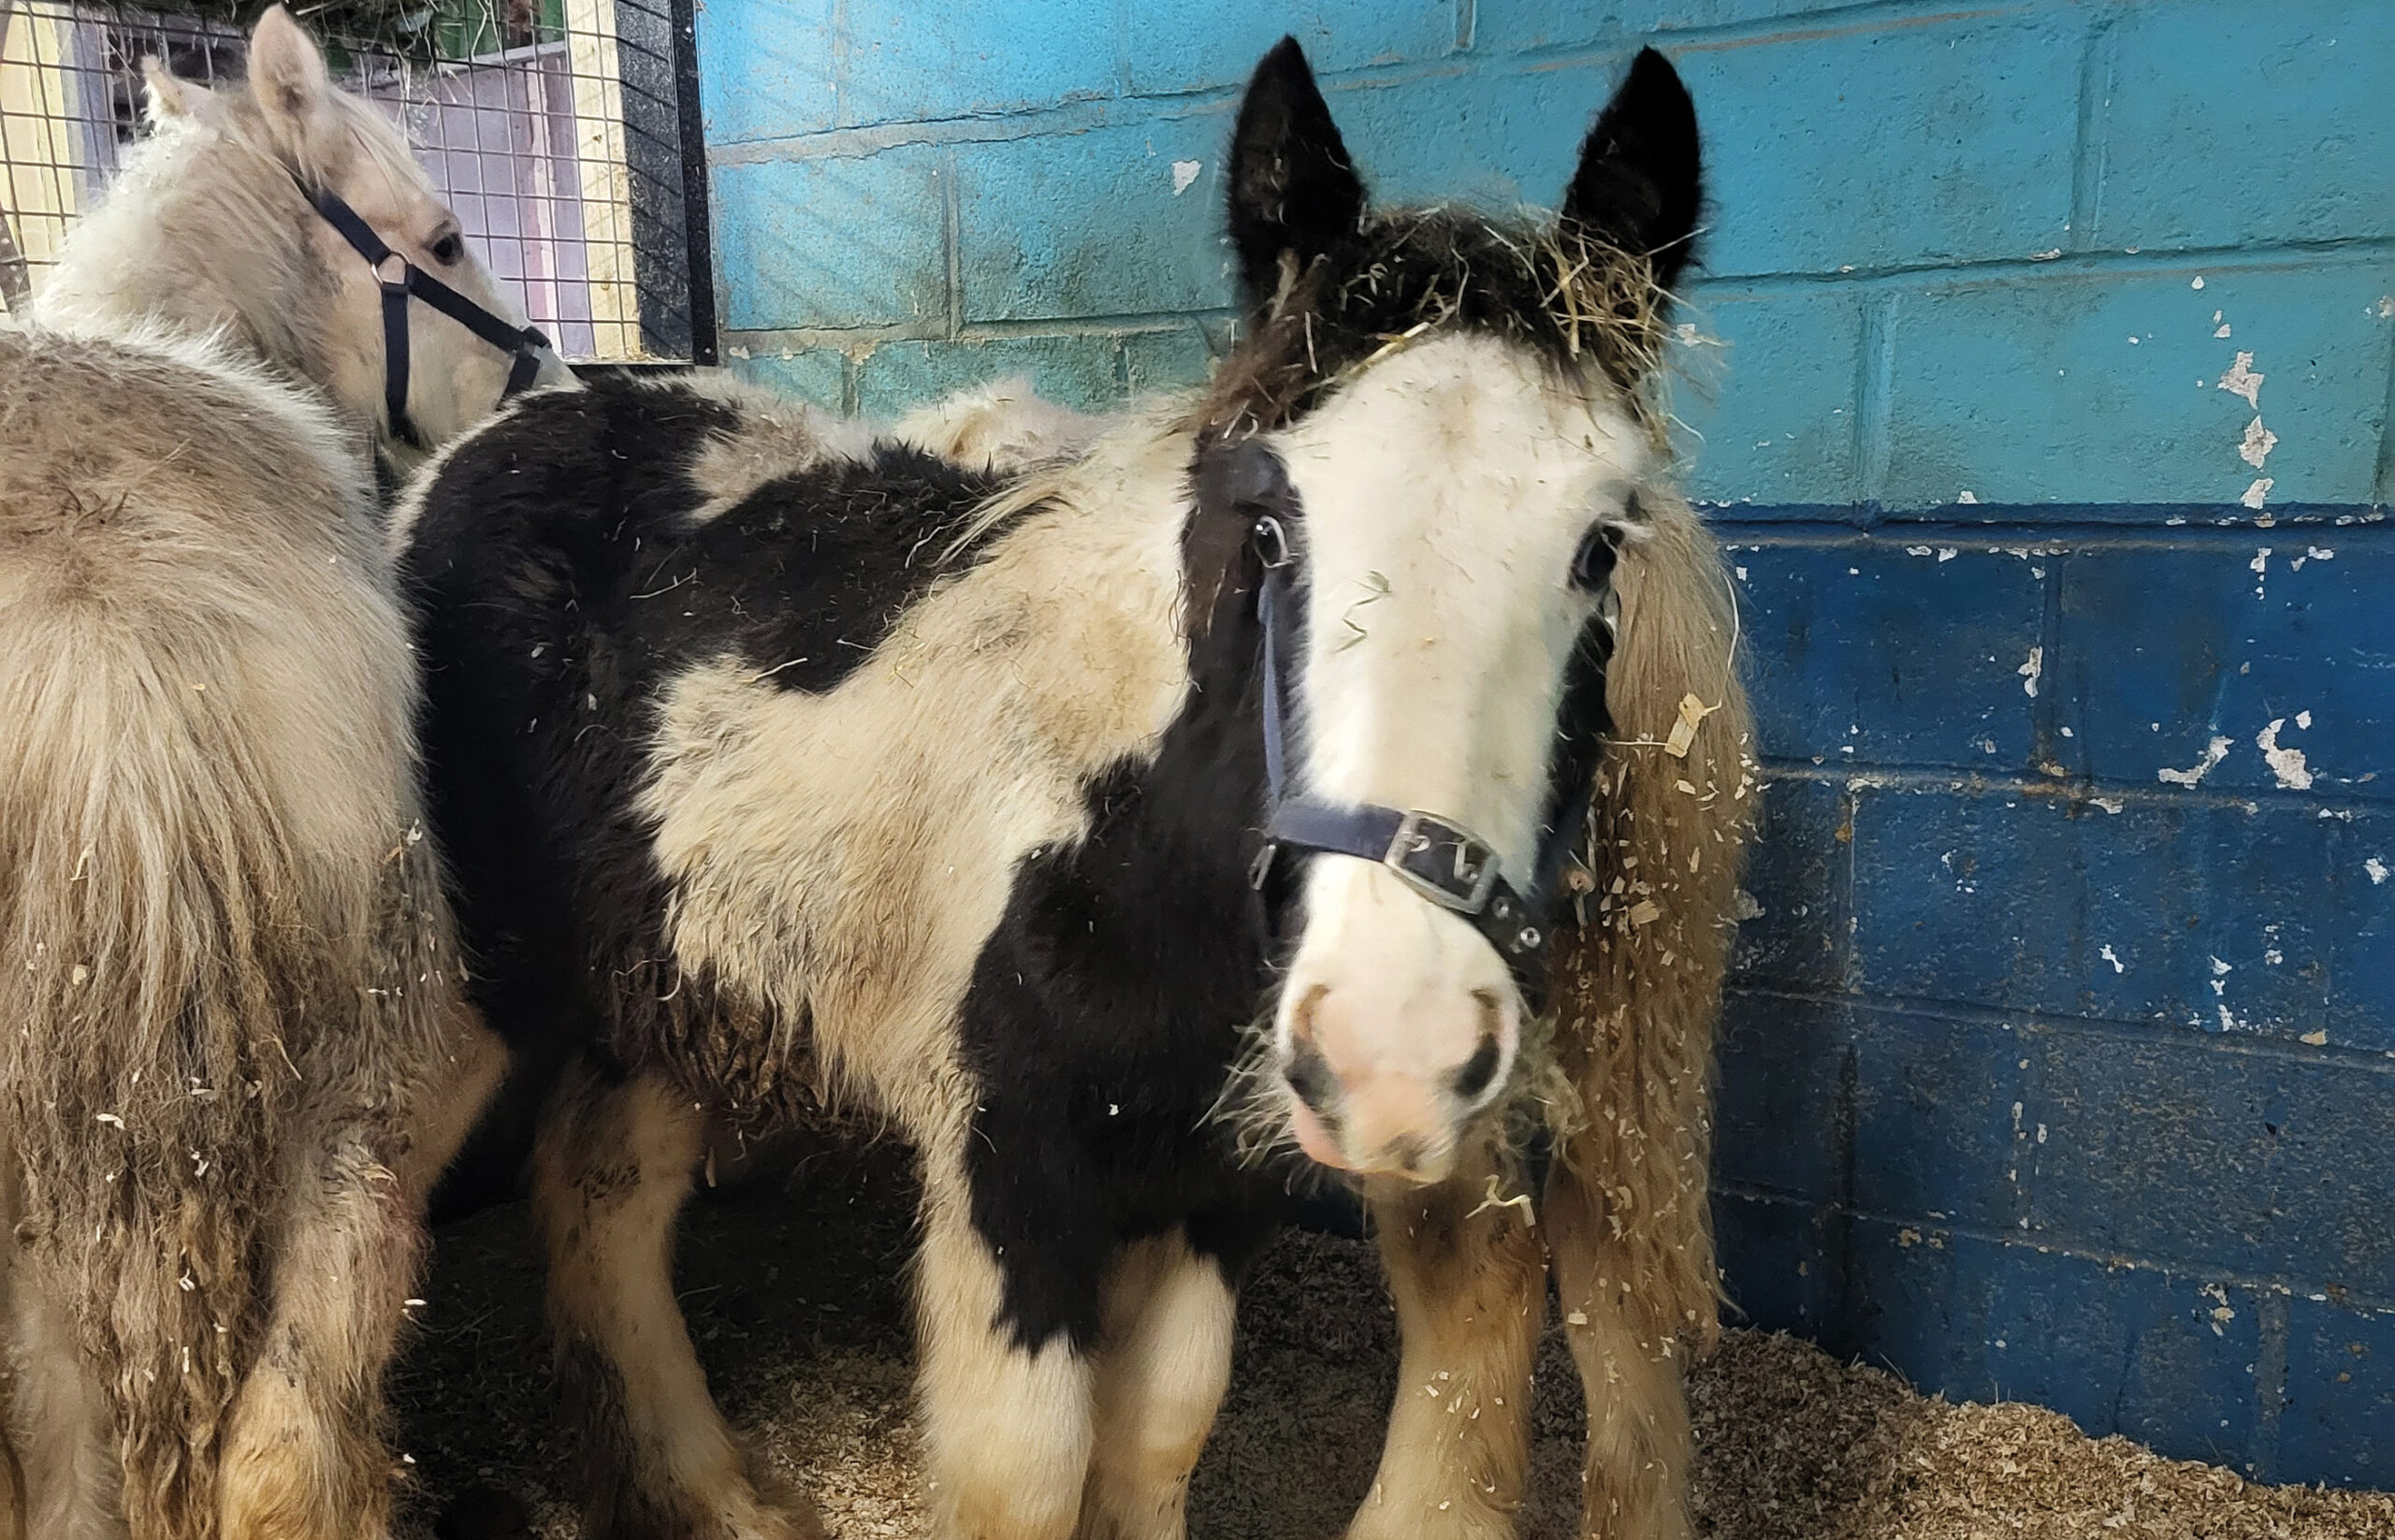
408, 278
1439, 858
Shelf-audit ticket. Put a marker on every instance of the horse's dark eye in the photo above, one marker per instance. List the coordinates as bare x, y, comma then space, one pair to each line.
448, 250
1593, 563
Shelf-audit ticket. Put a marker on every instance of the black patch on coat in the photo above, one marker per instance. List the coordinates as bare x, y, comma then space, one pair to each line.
557, 582
1109, 1004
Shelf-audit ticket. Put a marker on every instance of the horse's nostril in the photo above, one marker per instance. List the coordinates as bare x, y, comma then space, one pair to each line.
1479, 1070
1309, 1075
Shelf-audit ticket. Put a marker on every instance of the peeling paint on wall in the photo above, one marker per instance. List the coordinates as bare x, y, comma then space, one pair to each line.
2245, 380
2257, 443
2285, 763
2195, 774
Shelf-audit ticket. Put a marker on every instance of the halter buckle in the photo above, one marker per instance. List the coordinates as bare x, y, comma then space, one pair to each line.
1442, 862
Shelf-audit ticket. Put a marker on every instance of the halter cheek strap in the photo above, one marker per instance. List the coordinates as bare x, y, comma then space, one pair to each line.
400, 279
1438, 858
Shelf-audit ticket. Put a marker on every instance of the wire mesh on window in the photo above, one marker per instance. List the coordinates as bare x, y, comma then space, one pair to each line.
551, 126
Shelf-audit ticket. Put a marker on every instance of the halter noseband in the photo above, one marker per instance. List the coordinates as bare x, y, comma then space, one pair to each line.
408, 278
1437, 858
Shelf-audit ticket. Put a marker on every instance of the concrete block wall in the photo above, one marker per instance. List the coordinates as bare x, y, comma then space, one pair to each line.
2042, 387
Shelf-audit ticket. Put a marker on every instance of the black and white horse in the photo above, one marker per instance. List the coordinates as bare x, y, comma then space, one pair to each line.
1117, 833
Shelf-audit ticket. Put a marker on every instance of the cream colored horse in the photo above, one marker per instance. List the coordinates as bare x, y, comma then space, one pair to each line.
235, 1053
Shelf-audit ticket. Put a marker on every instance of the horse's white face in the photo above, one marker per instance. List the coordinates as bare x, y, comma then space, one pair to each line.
1459, 488
1446, 494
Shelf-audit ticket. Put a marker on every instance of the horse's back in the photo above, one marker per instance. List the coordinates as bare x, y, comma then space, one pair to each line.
567, 563
189, 571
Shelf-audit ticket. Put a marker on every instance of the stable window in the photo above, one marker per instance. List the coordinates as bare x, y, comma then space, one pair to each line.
565, 133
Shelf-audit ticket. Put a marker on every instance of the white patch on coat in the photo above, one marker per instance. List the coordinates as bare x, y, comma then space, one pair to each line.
2285, 763
1003, 427
1007, 1434
775, 437
843, 856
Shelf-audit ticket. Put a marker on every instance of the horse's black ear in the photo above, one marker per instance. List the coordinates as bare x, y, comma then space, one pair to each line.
1292, 187
1640, 178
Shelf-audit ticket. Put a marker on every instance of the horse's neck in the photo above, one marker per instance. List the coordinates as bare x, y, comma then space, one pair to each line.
170, 250
162, 266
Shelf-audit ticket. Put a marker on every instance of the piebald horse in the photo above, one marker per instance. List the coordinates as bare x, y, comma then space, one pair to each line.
1148, 838
235, 1054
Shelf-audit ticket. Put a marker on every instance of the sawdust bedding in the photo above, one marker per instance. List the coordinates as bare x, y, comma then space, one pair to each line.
793, 1286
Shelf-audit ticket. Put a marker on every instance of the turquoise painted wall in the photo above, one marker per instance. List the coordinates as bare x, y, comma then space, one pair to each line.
2061, 1059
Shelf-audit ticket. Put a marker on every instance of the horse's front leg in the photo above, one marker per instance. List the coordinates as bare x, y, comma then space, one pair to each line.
1164, 1361
611, 1170
1630, 1349
1007, 1421
1469, 1281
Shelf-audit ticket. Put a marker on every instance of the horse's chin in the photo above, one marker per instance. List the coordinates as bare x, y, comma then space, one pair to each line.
1315, 1138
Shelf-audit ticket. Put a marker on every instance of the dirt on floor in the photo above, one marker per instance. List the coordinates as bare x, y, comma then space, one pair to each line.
794, 1288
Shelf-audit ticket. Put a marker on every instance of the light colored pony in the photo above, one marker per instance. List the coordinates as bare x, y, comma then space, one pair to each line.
235, 1053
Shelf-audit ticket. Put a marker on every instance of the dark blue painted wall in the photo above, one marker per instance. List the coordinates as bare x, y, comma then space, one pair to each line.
2061, 1059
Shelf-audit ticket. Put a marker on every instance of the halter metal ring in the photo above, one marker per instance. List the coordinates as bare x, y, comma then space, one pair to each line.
1272, 543
1461, 883
397, 278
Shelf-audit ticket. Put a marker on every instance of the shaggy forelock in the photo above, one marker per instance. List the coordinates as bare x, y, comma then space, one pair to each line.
1593, 312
